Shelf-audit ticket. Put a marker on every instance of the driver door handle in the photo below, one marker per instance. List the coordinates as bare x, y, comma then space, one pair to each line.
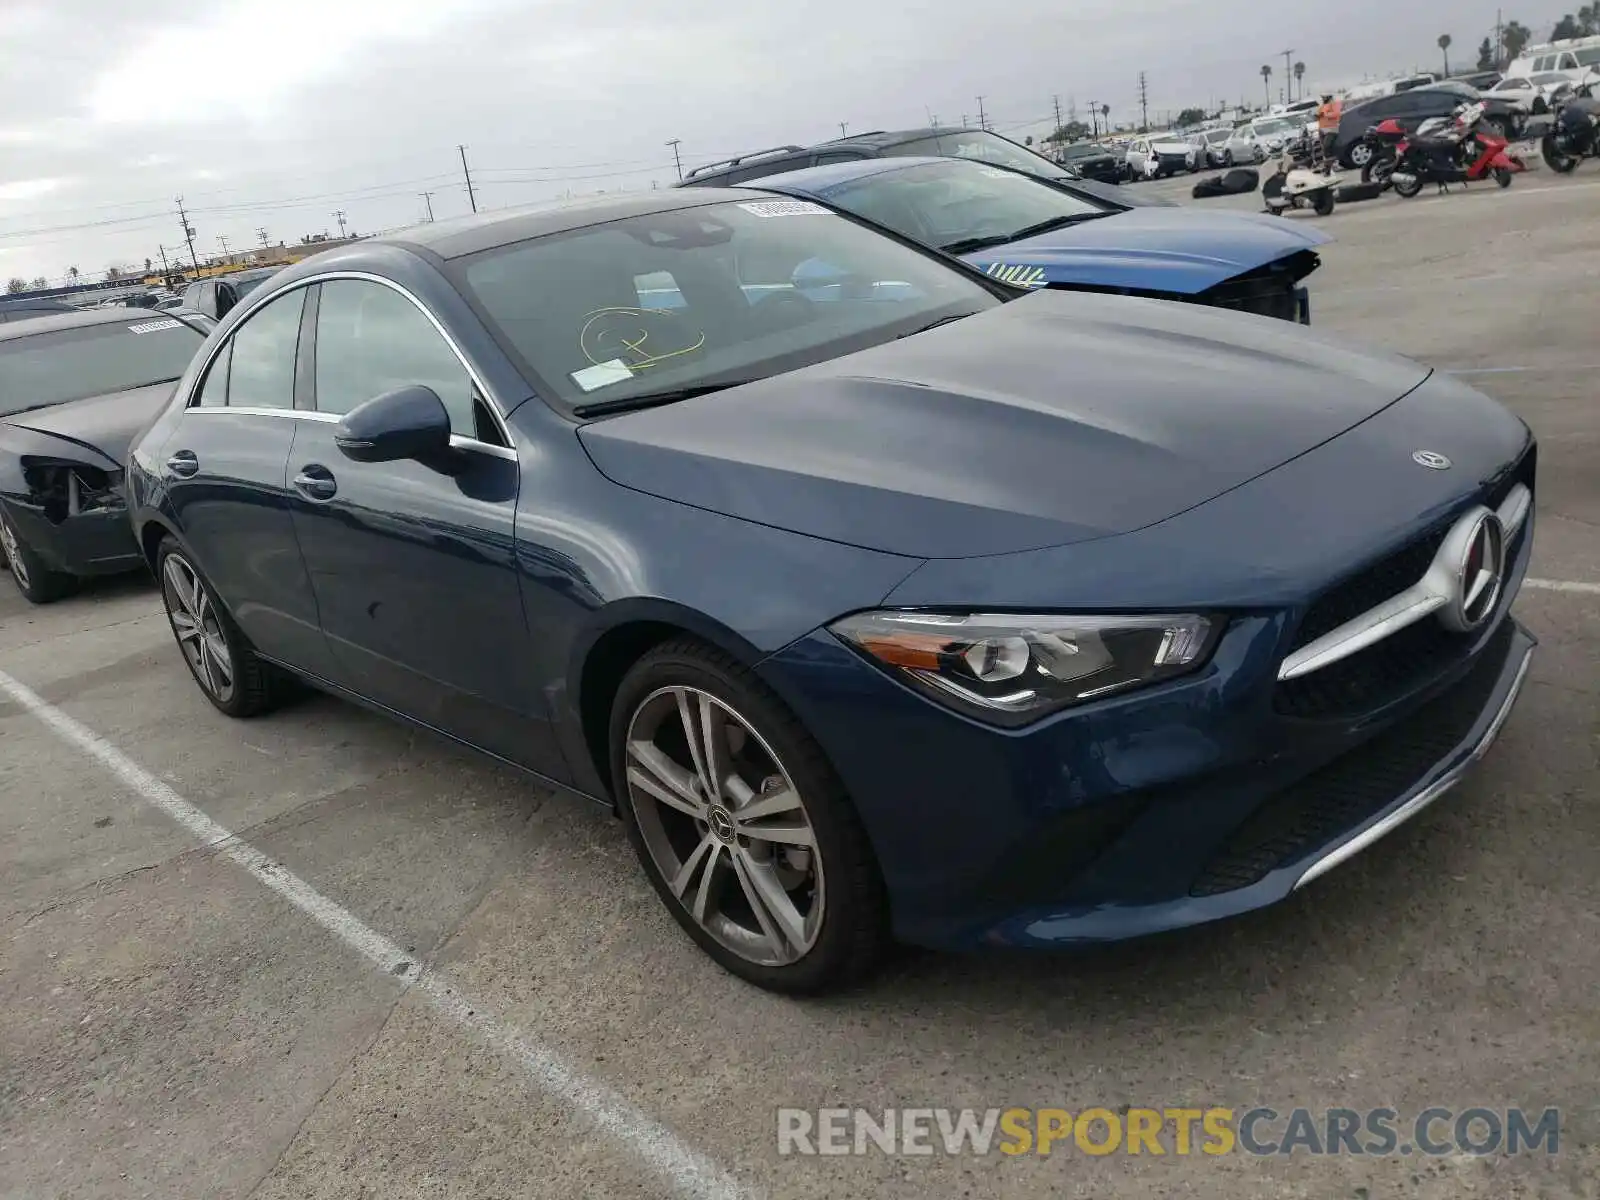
183, 464
316, 482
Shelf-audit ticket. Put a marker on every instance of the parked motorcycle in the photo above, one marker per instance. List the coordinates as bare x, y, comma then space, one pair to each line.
1298, 184
1464, 152
1574, 134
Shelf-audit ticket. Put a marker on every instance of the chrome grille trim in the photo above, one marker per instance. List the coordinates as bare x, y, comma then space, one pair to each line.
1429, 594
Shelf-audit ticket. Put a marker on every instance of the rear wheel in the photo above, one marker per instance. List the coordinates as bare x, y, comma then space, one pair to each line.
228, 671
37, 582
1359, 155
741, 824
1555, 157
1227, 158
1323, 204
1407, 186
1502, 176
1378, 171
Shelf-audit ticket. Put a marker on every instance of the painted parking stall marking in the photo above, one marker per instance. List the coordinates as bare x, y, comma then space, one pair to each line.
684, 1170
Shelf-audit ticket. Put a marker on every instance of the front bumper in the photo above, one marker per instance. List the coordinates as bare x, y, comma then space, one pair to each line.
97, 542
1152, 813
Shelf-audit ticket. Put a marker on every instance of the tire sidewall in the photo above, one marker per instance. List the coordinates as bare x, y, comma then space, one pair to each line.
820, 791
44, 585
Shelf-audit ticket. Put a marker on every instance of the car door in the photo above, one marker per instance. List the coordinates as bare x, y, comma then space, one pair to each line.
413, 565
225, 469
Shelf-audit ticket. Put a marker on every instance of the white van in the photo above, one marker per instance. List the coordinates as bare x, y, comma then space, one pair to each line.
1572, 57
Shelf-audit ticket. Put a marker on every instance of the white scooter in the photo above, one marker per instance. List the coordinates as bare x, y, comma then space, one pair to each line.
1297, 184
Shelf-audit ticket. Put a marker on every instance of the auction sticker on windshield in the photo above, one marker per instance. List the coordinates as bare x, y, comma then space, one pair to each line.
152, 326
784, 208
602, 375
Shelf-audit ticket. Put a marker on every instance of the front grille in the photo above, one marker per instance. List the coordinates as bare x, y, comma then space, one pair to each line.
1401, 662
1356, 786
1268, 291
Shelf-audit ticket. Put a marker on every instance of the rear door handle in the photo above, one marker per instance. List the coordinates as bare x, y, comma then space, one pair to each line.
183, 463
316, 482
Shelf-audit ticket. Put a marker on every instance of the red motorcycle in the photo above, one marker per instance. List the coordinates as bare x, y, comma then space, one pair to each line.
1462, 152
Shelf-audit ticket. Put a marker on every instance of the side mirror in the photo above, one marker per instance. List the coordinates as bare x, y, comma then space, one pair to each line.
409, 422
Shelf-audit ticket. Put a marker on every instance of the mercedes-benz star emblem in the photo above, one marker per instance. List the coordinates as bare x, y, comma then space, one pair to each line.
721, 823
1481, 573
1431, 459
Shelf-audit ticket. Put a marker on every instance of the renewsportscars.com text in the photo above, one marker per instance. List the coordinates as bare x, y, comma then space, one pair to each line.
1259, 1131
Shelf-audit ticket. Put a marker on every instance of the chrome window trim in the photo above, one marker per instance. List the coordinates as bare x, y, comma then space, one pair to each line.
1429, 594
1441, 785
497, 411
457, 441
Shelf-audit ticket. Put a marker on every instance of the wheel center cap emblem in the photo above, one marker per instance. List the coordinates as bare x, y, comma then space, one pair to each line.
721, 822
1431, 459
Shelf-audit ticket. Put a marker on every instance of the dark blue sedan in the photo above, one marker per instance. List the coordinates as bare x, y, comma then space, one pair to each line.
1030, 234
870, 622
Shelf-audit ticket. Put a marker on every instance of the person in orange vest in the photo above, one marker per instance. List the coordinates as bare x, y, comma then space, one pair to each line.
1328, 116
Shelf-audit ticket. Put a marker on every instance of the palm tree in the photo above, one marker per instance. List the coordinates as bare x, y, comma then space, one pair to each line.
1266, 83
1300, 78
1444, 45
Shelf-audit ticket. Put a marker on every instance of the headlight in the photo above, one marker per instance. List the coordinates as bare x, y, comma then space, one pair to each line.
1011, 669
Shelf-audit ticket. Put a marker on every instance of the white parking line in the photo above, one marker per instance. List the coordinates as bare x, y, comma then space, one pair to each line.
683, 1169
1562, 585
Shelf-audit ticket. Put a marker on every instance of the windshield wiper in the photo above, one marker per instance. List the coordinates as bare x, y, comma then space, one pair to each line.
601, 408
968, 245
936, 324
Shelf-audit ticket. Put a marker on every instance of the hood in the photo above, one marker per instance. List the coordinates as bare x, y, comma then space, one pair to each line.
1179, 250
1167, 146
106, 423
1054, 418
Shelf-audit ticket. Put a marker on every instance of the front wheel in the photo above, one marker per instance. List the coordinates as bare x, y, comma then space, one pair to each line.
1378, 171
741, 824
1227, 158
1502, 176
1359, 155
1555, 158
37, 582
1407, 186
1323, 204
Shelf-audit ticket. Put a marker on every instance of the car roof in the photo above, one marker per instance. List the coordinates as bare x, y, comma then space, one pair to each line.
75, 320
819, 179
458, 236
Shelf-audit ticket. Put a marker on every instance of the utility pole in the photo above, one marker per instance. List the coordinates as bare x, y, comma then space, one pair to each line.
964, 121
1094, 120
1288, 71
166, 271
472, 197
1499, 37
677, 159
983, 121
1144, 105
339, 217
188, 234
223, 242
427, 198
1057, 102
844, 129
261, 232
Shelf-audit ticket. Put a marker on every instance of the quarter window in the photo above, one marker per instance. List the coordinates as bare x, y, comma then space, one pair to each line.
261, 372
372, 340
214, 393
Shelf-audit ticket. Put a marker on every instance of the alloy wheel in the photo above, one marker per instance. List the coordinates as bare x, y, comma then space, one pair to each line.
1360, 154
198, 628
725, 825
8, 540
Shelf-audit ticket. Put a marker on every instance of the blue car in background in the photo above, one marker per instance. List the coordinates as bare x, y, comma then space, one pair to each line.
1025, 232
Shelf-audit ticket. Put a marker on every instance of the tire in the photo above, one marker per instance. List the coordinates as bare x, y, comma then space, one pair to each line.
37, 582
770, 754
1502, 177
1323, 204
1359, 155
1408, 190
1561, 164
1378, 171
252, 687
1227, 158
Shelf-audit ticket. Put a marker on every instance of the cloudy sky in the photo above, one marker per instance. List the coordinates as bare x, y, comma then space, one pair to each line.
276, 114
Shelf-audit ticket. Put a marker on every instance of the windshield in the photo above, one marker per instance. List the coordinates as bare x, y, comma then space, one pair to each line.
70, 364
248, 284
1550, 77
985, 147
1273, 128
949, 203
717, 294
1219, 135
1084, 150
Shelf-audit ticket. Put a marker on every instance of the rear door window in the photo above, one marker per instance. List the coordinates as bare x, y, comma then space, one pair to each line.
261, 374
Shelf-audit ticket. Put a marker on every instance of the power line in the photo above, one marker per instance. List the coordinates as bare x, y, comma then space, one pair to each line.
471, 195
